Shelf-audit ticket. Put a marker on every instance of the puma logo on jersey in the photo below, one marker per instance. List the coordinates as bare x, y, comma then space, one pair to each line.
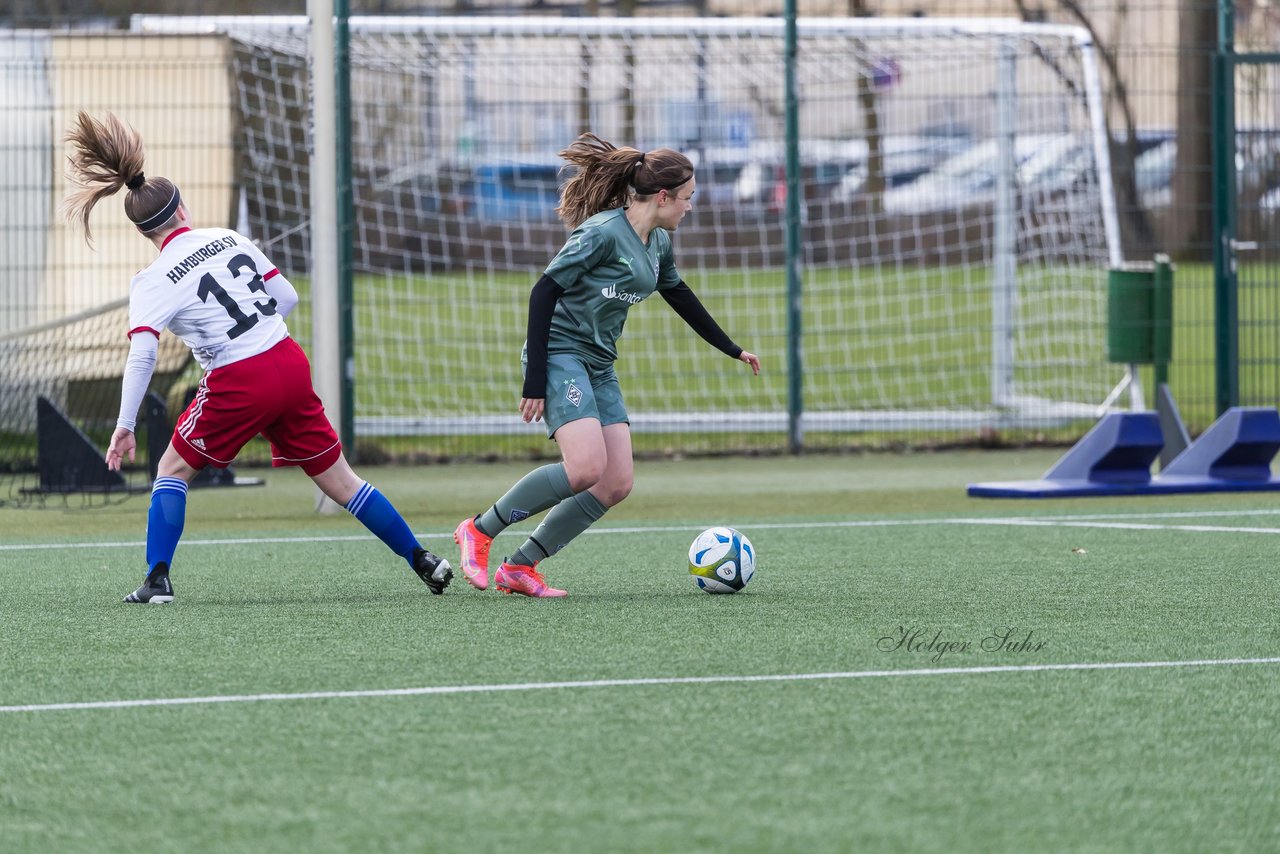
612, 292
624, 261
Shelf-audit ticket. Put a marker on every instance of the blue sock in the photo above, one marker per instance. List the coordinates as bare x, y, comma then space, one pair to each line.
165, 519
377, 514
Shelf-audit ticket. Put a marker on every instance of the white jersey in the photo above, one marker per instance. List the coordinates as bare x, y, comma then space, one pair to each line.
207, 286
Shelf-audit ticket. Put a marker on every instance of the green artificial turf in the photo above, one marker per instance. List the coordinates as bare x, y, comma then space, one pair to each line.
858, 744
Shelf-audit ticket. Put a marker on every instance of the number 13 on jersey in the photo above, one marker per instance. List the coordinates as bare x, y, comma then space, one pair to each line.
243, 322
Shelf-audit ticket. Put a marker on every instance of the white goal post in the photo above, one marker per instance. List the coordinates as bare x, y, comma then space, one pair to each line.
959, 220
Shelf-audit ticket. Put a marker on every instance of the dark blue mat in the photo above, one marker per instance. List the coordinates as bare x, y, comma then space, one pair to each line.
1159, 485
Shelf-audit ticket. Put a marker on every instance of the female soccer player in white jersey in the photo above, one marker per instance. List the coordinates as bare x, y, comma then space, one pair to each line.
216, 290
622, 205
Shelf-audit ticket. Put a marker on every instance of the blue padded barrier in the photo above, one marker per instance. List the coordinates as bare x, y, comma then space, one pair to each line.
1114, 458
1233, 455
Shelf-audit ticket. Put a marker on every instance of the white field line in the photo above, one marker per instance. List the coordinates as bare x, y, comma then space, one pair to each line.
1122, 526
1181, 514
628, 683
1116, 521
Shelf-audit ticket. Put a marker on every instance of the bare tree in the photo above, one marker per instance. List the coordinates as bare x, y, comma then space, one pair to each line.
1192, 231
875, 182
1137, 234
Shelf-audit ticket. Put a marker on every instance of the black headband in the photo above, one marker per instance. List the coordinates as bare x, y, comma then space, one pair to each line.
136, 181
161, 216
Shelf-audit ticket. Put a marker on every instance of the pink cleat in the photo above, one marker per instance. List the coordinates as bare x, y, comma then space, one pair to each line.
525, 580
475, 553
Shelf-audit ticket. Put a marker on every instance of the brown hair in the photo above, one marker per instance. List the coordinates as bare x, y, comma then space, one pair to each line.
607, 175
105, 156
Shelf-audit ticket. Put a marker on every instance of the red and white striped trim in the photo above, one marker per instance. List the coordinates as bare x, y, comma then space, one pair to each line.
305, 459
197, 407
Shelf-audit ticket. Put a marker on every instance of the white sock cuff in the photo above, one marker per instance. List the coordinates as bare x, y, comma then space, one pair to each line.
362, 496
169, 484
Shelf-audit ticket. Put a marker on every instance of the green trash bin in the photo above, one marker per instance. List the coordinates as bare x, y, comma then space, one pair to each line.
1140, 313
1130, 312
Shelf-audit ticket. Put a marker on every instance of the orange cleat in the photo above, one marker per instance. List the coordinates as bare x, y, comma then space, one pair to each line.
525, 580
475, 553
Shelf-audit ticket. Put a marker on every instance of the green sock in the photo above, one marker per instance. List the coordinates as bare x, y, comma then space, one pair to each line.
541, 488
566, 520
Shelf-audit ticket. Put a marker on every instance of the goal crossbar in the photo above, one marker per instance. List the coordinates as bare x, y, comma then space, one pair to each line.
961, 317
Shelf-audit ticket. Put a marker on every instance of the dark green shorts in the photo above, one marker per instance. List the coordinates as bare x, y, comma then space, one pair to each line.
575, 391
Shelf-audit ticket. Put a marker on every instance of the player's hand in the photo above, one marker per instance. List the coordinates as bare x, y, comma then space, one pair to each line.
751, 359
122, 442
531, 408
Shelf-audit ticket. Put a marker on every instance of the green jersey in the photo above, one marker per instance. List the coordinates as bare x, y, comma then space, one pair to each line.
604, 269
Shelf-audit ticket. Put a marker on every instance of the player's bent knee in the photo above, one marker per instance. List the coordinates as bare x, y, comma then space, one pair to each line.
615, 494
581, 480
173, 465
584, 473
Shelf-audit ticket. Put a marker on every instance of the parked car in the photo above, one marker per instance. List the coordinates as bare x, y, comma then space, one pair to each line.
1257, 171
823, 163
718, 168
1270, 200
906, 158
517, 189
1153, 175
1045, 163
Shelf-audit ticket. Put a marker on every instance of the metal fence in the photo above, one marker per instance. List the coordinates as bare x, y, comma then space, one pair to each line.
1157, 60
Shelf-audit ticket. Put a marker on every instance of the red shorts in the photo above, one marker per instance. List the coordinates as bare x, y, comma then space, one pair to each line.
269, 393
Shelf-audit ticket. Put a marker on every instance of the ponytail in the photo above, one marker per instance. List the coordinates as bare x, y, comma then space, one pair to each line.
105, 156
609, 175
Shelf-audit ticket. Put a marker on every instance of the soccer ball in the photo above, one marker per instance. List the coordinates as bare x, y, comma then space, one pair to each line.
722, 560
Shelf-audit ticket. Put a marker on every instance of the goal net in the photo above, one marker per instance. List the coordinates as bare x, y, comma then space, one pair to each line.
61, 382
957, 220
63, 309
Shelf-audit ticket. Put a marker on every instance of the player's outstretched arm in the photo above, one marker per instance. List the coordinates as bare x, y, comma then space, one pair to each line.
144, 346
693, 312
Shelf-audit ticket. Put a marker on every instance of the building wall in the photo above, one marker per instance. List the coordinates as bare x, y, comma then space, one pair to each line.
175, 92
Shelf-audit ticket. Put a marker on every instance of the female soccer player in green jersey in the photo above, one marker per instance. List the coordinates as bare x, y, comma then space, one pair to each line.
622, 205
